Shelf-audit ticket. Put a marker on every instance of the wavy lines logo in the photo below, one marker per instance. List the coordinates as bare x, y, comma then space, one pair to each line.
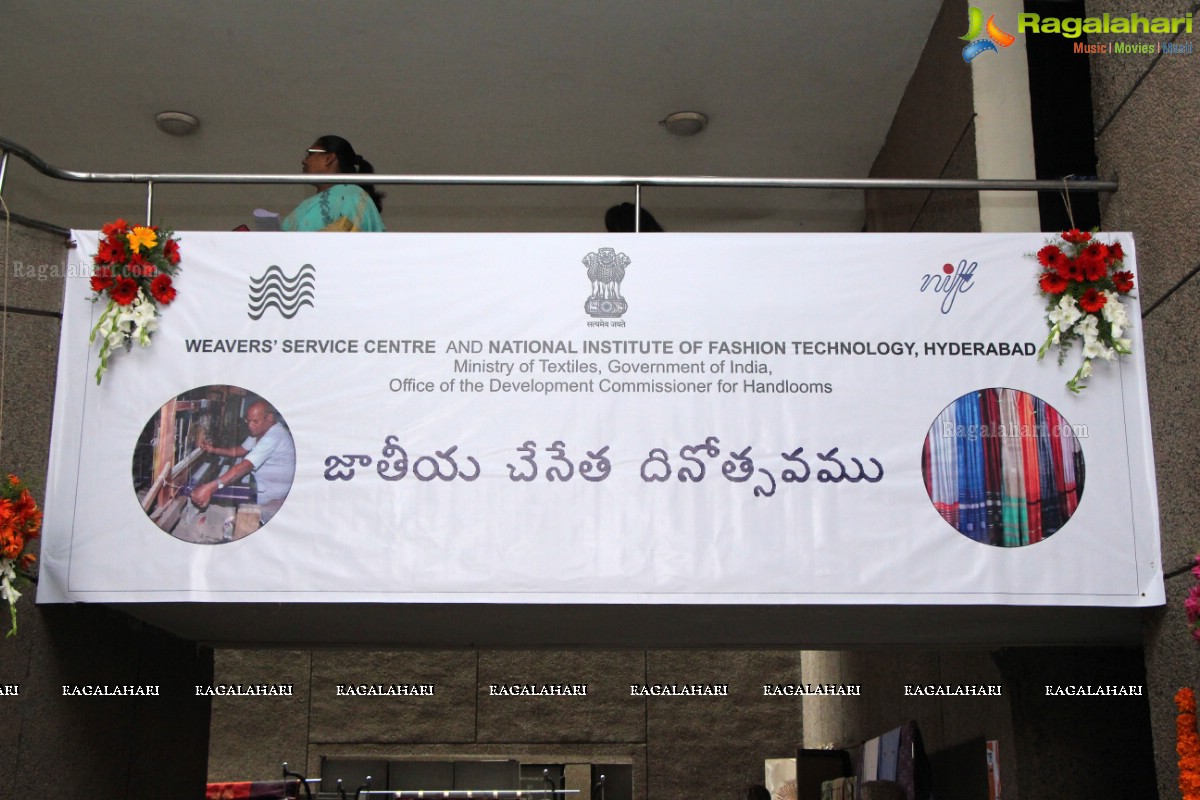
982, 37
287, 294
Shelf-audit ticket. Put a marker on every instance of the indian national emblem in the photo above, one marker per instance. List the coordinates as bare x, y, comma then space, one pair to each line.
606, 270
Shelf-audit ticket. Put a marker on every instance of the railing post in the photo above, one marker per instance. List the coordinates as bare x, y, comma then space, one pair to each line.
637, 208
149, 201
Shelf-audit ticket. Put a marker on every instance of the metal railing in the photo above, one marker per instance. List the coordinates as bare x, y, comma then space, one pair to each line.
635, 181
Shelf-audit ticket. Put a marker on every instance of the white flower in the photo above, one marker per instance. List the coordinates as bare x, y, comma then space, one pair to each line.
1065, 314
144, 312
1114, 313
1124, 345
107, 320
1089, 329
125, 318
1086, 370
111, 328
8, 574
145, 320
1094, 348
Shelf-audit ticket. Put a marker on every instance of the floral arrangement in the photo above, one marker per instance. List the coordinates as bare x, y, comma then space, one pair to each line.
1083, 280
133, 269
1187, 744
20, 523
1192, 604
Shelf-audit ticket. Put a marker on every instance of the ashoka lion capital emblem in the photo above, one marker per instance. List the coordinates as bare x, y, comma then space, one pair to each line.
606, 270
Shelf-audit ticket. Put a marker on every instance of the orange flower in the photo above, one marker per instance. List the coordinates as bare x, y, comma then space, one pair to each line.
1187, 744
20, 521
140, 237
12, 550
26, 506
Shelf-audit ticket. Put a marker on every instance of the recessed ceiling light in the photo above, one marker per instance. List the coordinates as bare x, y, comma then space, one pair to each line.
177, 123
684, 123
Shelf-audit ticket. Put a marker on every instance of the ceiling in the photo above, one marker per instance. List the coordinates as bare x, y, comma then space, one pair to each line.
538, 87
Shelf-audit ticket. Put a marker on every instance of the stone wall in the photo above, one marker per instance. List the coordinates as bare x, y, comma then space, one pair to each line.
1146, 119
53, 745
678, 746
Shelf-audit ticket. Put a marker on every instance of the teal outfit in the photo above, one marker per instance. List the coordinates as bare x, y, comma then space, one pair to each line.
343, 207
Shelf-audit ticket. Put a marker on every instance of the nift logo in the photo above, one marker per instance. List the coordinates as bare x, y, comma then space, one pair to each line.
977, 44
951, 283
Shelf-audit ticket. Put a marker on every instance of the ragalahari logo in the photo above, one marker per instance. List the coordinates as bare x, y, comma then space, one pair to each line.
977, 43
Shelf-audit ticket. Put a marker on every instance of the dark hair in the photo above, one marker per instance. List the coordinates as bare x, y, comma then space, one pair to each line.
619, 219
350, 162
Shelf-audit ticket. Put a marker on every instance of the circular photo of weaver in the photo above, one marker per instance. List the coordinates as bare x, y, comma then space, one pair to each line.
214, 464
1003, 467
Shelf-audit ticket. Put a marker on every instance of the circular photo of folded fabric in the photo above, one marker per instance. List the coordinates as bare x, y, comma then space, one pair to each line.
1003, 467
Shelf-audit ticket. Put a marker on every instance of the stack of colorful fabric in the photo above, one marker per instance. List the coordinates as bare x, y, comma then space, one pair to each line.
1003, 467
253, 790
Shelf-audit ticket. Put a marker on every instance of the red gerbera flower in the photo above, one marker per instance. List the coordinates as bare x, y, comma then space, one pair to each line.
111, 252
1057, 261
102, 279
162, 289
1049, 256
1076, 236
1123, 281
1093, 267
139, 266
1071, 270
125, 291
1115, 253
116, 227
1052, 283
171, 251
1092, 301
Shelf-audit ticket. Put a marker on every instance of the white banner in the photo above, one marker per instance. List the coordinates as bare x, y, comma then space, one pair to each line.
600, 419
